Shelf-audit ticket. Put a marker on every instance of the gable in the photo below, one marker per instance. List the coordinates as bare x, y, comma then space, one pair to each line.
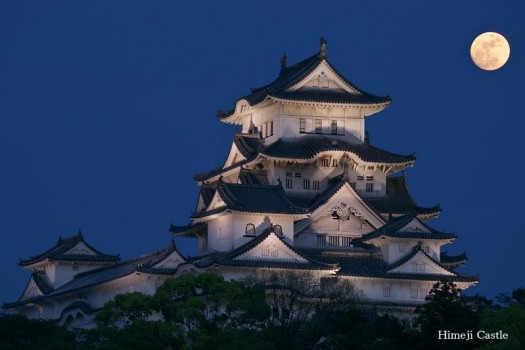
341, 220
272, 248
171, 261
347, 203
80, 249
324, 77
216, 202
420, 263
31, 290
414, 226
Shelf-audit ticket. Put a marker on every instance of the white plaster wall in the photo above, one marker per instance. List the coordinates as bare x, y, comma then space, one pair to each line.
314, 171
65, 272
220, 234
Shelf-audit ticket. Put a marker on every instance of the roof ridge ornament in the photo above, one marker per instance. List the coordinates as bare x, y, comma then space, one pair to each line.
322, 49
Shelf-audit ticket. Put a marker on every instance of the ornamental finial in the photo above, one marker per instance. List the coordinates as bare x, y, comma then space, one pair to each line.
322, 50
284, 59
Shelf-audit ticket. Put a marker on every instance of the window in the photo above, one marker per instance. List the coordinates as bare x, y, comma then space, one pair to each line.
426, 249
386, 292
298, 174
334, 163
360, 177
334, 127
414, 293
369, 178
250, 230
418, 266
321, 240
369, 187
288, 174
318, 126
346, 241
315, 184
306, 184
266, 130
289, 183
271, 128
325, 162
333, 241
270, 251
302, 125
423, 293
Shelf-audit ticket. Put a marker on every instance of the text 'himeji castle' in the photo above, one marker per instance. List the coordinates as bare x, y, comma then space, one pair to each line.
301, 190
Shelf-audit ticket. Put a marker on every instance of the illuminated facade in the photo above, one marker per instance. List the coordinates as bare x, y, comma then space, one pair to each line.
301, 190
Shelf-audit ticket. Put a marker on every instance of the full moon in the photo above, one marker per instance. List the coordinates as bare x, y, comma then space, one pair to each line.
490, 51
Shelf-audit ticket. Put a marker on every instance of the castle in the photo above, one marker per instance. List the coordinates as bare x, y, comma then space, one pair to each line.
301, 189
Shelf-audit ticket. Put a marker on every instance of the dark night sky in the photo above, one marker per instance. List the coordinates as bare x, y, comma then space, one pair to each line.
107, 109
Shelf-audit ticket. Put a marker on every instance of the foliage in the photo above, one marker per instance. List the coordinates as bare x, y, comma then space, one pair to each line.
17, 332
273, 311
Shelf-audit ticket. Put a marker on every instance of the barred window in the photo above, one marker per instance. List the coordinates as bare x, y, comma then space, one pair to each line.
289, 183
346, 241
334, 127
386, 292
321, 240
302, 125
306, 184
333, 241
325, 162
318, 126
370, 187
315, 184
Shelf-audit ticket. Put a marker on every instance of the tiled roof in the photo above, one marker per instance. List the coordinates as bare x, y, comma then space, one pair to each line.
188, 230
308, 147
289, 76
335, 96
250, 177
149, 266
58, 253
257, 199
394, 225
220, 170
207, 192
42, 282
229, 258
357, 263
453, 261
101, 275
247, 144
398, 200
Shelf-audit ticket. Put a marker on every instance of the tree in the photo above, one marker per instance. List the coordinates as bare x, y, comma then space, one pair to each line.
510, 320
18, 332
444, 310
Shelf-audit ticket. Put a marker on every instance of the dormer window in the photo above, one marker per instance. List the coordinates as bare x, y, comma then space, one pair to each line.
325, 162
250, 230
